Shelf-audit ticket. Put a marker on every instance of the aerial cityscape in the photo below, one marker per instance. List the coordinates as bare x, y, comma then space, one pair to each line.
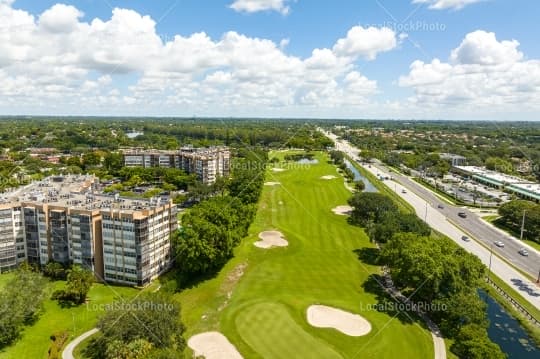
269, 179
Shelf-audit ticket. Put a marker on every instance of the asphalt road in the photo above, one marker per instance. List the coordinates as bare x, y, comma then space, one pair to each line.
474, 225
426, 204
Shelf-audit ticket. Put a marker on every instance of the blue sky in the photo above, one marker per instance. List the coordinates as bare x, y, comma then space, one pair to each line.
372, 80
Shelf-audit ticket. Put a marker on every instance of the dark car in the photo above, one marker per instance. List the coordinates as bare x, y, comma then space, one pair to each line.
462, 214
440, 206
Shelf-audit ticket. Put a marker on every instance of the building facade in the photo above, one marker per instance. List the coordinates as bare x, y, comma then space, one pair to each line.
70, 221
207, 163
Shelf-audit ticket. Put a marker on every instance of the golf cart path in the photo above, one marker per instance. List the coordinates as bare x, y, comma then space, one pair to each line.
68, 351
438, 340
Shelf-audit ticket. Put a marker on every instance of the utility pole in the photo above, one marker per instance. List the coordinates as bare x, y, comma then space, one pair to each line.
522, 226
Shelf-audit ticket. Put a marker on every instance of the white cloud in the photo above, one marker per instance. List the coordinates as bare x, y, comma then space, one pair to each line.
483, 74
366, 42
251, 6
446, 4
482, 48
60, 18
57, 55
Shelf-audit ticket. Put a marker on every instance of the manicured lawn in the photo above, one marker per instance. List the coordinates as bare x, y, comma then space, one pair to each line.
35, 340
263, 312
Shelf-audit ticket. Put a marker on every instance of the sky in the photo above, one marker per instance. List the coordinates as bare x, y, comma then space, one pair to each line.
384, 59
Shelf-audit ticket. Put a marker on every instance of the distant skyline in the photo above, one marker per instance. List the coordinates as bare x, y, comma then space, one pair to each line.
410, 59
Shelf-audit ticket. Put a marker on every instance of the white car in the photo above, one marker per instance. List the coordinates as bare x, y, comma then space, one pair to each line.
499, 244
523, 252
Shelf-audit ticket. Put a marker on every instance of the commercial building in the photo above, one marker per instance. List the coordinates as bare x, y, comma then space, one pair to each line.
455, 160
207, 163
515, 185
67, 219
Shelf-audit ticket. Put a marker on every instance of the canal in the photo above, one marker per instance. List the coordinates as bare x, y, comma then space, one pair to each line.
507, 332
358, 177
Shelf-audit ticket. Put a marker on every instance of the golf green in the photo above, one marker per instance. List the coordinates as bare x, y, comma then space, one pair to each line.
263, 311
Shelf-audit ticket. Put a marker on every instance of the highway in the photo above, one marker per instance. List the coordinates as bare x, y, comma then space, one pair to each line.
446, 221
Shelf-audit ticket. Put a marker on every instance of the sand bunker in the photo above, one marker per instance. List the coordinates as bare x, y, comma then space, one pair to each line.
328, 177
213, 345
271, 183
277, 169
322, 316
342, 210
271, 239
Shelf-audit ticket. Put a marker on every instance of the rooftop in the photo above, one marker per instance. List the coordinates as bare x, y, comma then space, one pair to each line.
79, 192
493, 175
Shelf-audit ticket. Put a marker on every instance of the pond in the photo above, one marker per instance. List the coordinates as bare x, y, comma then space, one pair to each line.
506, 331
308, 161
358, 177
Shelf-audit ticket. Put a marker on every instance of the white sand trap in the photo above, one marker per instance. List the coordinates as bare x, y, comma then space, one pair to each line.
271, 239
213, 345
328, 177
271, 183
342, 210
277, 169
322, 316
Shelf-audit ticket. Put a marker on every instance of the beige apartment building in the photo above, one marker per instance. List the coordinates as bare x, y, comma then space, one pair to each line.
207, 163
69, 220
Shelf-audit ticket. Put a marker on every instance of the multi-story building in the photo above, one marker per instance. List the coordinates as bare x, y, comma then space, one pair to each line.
207, 163
67, 219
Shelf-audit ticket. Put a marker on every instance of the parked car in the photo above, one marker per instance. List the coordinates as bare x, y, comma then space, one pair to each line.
465, 239
523, 252
499, 244
462, 214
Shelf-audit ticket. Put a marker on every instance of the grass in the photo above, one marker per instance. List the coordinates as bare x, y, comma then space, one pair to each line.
441, 194
263, 311
494, 220
35, 340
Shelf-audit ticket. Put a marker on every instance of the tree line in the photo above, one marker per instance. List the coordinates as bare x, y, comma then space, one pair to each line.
430, 269
512, 217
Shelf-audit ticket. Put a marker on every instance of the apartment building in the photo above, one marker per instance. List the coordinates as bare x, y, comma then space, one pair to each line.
68, 219
207, 163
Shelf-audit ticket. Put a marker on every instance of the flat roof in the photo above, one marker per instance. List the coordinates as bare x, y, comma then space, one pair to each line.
498, 177
77, 192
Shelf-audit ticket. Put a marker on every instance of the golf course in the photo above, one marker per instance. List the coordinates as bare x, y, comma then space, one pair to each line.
260, 299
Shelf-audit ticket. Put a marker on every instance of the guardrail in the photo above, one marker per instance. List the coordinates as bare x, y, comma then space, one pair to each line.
516, 305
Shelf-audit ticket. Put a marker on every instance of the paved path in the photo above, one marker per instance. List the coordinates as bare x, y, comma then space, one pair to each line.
438, 340
68, 351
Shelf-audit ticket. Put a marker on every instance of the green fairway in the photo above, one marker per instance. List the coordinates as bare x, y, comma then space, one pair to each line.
35, 340
263, 311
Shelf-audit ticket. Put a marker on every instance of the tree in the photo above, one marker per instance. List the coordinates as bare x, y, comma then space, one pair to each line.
370, 206
136, 349
91, 159
473, 342
79, 282
55, 270
151, 320
20, 303
359, 186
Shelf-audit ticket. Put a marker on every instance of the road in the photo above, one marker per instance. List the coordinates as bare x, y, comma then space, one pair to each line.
446, 221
